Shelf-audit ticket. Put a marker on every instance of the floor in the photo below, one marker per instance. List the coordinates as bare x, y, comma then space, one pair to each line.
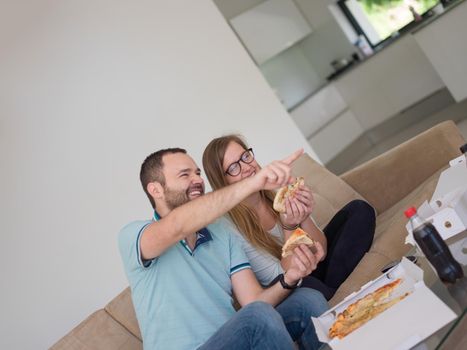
413, 130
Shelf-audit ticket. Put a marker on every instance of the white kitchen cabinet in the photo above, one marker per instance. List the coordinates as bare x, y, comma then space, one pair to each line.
270, 27
291, 76
318, 110
336, 136
327, 123
444, 43
388, 82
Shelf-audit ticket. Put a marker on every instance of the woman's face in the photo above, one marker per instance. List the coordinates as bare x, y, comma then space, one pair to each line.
238, 159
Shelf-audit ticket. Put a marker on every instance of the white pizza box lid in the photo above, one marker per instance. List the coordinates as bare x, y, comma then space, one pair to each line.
451, 180
401, 326
447, 209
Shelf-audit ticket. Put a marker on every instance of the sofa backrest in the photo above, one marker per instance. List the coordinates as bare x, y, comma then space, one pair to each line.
100, 331
389, 177
330, 192
122, 310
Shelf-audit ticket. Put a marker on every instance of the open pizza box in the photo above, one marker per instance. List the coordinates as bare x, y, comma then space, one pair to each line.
447, 209
401, 326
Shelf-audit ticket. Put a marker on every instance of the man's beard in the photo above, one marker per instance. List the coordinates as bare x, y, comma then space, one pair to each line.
176, 198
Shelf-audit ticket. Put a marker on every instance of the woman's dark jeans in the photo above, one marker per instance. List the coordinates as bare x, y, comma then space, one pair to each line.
349, 234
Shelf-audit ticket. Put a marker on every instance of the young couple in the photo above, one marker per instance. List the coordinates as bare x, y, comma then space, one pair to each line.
184, 266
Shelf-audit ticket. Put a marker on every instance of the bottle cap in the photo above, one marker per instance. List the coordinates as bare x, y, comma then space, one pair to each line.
410, 212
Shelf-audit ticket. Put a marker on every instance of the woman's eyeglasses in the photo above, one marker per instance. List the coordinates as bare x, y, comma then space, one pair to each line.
235, 168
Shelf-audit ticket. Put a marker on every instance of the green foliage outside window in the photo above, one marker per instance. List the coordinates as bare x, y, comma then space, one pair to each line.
369, 4
388, 16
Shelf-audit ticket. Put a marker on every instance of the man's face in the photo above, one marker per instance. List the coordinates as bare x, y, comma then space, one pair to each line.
182, 180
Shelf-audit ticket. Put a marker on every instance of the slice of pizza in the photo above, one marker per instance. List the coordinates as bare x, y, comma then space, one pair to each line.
297, 237
365, 309
286, 192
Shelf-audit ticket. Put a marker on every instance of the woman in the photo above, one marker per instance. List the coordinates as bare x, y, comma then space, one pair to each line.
263, 231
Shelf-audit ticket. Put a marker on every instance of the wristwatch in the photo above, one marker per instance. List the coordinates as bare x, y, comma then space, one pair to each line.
288, 286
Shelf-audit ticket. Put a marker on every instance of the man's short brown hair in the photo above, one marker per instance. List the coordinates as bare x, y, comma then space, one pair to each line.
151, 169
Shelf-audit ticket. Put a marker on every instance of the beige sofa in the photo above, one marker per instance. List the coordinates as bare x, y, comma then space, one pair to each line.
402, 177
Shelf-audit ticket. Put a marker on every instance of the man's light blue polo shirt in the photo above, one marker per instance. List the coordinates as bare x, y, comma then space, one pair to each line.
182, 297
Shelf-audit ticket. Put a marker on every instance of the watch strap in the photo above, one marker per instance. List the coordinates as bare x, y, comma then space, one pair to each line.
285, 285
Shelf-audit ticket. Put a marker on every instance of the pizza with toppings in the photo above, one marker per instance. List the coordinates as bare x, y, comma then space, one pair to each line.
286, 192
297, 237
365, 309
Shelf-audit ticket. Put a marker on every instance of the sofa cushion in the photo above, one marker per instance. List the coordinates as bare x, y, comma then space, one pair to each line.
99, 331
121, 309
330, 192
389, 243
390, 225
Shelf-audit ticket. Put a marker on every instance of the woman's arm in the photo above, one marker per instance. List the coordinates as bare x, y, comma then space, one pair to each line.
298, 211
247, 289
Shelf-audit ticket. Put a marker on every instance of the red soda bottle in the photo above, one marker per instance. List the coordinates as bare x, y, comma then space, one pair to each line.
434, 248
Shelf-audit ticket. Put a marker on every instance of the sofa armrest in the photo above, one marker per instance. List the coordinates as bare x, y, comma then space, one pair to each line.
388, 178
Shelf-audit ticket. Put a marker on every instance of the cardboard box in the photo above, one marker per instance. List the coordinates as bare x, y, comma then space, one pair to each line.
401, 326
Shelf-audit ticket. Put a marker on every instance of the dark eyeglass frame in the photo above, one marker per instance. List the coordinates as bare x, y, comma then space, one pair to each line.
241, 160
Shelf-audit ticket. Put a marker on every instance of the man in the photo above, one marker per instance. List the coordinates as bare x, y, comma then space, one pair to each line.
182, 273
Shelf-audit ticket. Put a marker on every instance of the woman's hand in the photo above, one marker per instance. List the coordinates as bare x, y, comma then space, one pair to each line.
276, 174
298, 208
303, 262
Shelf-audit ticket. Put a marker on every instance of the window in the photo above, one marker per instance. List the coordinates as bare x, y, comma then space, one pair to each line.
379, 20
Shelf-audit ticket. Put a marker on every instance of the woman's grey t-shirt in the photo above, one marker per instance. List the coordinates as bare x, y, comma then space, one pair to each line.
265, 266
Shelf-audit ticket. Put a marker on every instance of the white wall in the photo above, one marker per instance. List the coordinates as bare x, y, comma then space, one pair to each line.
88, 88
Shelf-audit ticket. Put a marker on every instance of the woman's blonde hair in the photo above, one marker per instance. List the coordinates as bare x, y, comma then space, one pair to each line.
245, 219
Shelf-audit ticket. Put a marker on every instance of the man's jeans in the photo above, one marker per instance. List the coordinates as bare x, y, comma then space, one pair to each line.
260, 326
